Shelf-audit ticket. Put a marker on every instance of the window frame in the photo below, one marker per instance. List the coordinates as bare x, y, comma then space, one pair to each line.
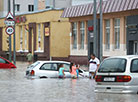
74, 35
113, 71
131, 65
48, 69
17, 7
82, 34
3, 60
30, 8
107, 35
117, 35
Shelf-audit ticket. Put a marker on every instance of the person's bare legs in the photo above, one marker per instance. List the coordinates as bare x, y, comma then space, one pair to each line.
91, 74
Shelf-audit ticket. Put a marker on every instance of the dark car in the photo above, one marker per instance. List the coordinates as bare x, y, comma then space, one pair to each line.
4, 63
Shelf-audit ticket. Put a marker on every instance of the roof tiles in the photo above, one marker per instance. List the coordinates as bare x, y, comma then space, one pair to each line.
109, 6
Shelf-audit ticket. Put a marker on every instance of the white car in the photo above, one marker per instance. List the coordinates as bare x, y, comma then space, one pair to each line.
118, 75
49, 69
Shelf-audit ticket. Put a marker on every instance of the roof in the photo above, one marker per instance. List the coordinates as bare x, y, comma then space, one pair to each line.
38, 11
109, 6
54, 62
126, 57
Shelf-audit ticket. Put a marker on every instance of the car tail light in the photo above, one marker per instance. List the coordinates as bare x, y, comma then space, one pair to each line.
32, 73
124, 78
98, 78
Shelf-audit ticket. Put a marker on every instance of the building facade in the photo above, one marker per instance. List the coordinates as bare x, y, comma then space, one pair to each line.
43, 33
117, 20
21, 6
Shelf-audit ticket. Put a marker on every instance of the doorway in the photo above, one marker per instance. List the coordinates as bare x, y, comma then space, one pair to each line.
135, 46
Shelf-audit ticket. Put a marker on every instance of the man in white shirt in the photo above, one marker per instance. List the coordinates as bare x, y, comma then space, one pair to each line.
93, 65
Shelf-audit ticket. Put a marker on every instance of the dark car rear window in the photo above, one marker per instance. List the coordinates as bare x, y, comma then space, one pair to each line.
113, 65
134, 66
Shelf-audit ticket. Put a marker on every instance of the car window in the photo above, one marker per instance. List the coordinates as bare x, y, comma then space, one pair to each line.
49, 66
2, 60
113, 65
34, 64
134, 65
66, 67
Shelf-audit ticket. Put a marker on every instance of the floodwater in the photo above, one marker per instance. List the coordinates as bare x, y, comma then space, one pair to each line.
14, 87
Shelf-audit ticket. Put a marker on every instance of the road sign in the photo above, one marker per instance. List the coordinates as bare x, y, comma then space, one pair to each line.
9, 23
9, 20
9, 30
9, 17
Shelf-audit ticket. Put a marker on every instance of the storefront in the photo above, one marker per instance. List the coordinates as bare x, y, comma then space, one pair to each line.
115, 15
43, 33
132, 35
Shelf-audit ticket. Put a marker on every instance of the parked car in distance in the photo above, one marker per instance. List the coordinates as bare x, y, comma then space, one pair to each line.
4, 63
118, 75
49, 69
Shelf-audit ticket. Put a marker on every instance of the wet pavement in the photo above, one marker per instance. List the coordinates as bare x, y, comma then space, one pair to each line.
14, 87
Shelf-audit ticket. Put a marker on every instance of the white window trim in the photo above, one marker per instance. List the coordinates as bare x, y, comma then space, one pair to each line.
74, 30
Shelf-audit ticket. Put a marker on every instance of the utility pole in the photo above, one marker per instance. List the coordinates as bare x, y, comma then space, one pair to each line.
95, 24
14, 36
101, 31
10, 54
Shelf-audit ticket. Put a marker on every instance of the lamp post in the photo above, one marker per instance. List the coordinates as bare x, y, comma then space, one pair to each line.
14, 36
10, 54
94, 24
101, 31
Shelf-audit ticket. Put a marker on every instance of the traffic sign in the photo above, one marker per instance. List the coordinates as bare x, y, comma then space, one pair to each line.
9, 23
9, 30
9, 20
9, 17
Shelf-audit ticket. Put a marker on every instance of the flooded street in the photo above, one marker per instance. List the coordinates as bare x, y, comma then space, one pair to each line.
14, 87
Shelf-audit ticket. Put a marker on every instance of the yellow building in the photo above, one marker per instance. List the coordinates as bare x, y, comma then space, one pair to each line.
43, 32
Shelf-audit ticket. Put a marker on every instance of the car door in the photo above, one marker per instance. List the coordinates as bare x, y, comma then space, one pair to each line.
48, 70
66, 70
4, 63
134, 72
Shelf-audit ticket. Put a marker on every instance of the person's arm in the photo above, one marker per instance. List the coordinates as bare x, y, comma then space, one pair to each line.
98, 64
63, 73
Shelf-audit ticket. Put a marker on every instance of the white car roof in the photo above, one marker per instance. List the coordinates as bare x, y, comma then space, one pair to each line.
126, 57
54, 62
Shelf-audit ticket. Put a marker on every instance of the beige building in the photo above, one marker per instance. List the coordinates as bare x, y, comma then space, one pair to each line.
43, 33
114, 28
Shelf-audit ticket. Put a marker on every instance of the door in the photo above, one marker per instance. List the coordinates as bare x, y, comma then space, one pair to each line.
48, 70
66, 70
134, 72
4, 63
135, 48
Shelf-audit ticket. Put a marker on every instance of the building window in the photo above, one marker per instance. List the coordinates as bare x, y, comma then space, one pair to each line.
17, 7
117, 33
39, 37
30, 7
21, 38
25, 43
74, 32
107, 34
82, 34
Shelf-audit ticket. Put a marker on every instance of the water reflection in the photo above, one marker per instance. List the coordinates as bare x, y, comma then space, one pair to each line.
14, 87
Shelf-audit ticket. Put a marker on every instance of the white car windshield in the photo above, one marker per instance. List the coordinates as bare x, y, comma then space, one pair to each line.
113, 65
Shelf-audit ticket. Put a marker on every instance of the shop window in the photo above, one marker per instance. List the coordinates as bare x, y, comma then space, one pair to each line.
74, 32
30, 8
25, 41
107, 34
117, 33
39, 38
17, 7
21, 38
82, 34
135, 46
